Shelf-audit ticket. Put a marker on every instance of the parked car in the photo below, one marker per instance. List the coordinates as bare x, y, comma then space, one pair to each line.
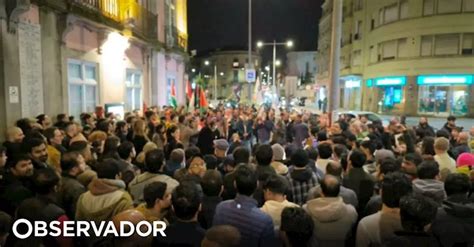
372, 117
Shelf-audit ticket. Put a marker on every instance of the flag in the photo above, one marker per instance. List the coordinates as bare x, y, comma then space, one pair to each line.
173, 101
202, 99
192, 101
189, 90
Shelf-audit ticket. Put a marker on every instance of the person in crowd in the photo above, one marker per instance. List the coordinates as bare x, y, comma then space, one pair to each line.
221, 236
106, 195
333, 219
70, 189
462, 144
256, 228
324, 154
301, 177
54, 149
212, 187
471, 141
278, 158
264, 157
36, 149
139, 138
348, 196
207, 135
338, 151
70, 131
220, 149
44, 121
157, 202
446, 163
427, 147
175, 162
188, 128
417, 213
300, 131
450, 124
241, 155
275, 188
173, 141
264, 127
297, 228
425, 128
454, 223
154, 162
410, 163
245, 130
357, 179
375, 228
134, 217
465, 164
428, 182
186, 231
3, 162
159, 136
6, 223
14, 138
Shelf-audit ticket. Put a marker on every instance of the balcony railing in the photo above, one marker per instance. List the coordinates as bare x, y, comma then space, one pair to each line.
126, 12
175, 38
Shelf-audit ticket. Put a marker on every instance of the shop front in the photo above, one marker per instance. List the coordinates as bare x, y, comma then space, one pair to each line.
443, 95
389, 92
351, 93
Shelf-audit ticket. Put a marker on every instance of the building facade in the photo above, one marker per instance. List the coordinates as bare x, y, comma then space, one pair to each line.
414, 57
72, 56
302, 65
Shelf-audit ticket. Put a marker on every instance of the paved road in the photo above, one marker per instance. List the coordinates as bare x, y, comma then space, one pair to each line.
438, 123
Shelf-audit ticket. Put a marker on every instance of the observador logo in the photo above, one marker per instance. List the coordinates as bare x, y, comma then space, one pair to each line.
23, 229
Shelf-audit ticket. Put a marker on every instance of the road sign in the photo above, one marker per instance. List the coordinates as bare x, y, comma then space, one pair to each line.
250, 75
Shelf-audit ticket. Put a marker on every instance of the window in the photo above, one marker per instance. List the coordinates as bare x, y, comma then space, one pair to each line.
449, 6
403, 9
426, 46
357, 27
468, 6
373, 55
402, 48
447, 44
468, 44
389, 50
357, 5
82, 80
428, 7
391, 13
357, 58
133, 90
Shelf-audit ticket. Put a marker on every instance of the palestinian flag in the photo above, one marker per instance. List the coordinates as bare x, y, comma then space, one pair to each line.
189, 90
202, 99
173, 102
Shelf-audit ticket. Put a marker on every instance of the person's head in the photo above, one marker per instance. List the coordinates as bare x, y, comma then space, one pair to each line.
275, 187
300, 158
338, 150
387, 166
457, 183
296, 227
72, 163
463, 138
173, 133
441, 145
417, 212
427, 146
241, 155
186, 201
111, 145
191, 151
368, 147
83, 148
357, 158
156, 196
330, 186
53, 136
324, 150
221, 236
410, 163
45, 181
21, 165
139, 128
312, 153
15, 135
71, 129
196, 165
395, 185
126, 150
220, 147
245, 180
36, 148
177, 156
43, 120
154, 160
452, 120
108, 169
211, 183
5, 227
264, 155
334, 169
423, 121
428, 169
278, 152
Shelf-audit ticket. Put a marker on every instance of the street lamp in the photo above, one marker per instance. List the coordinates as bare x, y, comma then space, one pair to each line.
207, 63
277, 63
288, 44
193, 70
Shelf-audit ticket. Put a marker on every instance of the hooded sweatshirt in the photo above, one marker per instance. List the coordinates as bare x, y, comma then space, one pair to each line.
333, 220
105, 199
431, 188
274, 209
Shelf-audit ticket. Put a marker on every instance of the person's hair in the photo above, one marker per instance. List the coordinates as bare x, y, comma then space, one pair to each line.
457, 183
245, 180
125, 149
108, 169
186, 200
357, 158
103, 125
325, 150
111, 147
264, 155
169, 133
297, 225
427, 146
177, 156
395, 185
300, 158
222, 236
389, 165
312, 153
330, 186
211, 183
24, 124
45, 180
139, 128
441, 143
154, 160
191, 151
322, 136
5, 223
49, 133
416, 212
28, 145
69, 161
40, 118
276, 184
152, 192
181, 118
415, 158
338, 139
451, 118
370, 145
334, 169
428, 169
339, 149
241, 155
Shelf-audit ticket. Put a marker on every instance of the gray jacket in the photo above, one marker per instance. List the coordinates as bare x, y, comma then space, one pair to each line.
348, 195
431, 188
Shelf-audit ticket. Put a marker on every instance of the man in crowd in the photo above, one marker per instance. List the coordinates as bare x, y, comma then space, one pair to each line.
301, 177
446, 163
357, 179
297, 228
72, 165
428, 182
324, 154
36, 149
212, 187
54, 138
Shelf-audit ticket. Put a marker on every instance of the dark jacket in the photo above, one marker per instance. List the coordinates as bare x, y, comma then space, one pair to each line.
361, 183
459, 149
139, 142
264, 131
208, 209
411, 239
301, 181
241, 125
300, 133
13, 191
206, 138
181, 234
454, 223
69, 192
229, 189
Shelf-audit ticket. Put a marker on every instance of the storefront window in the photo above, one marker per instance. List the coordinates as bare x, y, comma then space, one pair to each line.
390, 97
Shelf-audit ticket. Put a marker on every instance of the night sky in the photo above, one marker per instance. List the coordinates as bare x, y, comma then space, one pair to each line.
217, 24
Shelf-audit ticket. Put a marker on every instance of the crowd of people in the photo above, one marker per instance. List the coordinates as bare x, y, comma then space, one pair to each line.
240, 177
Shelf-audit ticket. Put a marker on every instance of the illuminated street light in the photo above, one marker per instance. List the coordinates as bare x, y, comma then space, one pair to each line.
193, 70
259, 44
222, 73
289, 43
267, 68
277, 63
207, 63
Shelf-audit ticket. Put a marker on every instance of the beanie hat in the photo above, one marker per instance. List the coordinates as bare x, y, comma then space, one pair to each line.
278, 152
465, 159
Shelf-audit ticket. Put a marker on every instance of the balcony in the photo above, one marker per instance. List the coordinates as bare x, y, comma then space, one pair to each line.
124, 13
175, 38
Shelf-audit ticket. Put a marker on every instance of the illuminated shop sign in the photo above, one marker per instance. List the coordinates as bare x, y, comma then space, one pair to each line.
445, 79
352, 83
390, 81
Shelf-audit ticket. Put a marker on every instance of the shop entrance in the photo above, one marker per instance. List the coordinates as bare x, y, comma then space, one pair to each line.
442, 100
390, 97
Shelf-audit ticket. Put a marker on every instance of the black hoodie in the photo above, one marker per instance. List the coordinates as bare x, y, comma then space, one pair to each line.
454, 224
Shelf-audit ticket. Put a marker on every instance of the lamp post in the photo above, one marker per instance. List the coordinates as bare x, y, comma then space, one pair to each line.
207, 63
250, 66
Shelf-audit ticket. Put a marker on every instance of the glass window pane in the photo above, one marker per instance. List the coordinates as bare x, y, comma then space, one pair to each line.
90, 72
404, 9
391, 13
137, 79
137, 99
129, 99
449, 6
75, 100
91, 98
74, 71
128, 79
402, 48
447, 44
389, 49
428, 6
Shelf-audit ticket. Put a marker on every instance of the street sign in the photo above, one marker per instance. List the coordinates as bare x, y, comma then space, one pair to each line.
250, 75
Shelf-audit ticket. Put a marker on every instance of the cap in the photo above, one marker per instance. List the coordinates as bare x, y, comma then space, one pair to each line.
465, 159
221, 144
